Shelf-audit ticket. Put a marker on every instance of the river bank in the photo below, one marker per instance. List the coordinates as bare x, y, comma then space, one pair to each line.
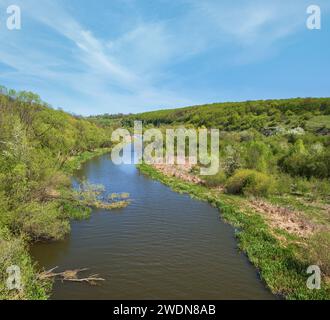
15, 250
75, 163
276, 253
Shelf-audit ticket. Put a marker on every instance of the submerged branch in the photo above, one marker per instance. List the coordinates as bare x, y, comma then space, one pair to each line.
70, 275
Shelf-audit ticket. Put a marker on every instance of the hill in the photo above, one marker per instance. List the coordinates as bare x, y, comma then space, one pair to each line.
239, 116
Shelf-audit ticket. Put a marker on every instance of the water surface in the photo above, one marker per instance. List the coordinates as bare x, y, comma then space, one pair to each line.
163, 246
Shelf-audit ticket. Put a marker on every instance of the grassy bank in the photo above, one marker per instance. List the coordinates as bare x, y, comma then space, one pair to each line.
280, 263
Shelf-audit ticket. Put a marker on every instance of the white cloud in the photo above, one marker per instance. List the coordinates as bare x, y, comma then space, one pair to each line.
134, 70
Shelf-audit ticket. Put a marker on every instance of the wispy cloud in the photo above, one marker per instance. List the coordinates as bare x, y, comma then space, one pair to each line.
139, 67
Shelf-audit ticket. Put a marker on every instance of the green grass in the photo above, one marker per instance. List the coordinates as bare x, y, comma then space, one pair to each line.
280, 266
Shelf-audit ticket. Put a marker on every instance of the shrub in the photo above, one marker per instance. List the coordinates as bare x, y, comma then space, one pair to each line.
232, 160
302, 186
257, 156
321, 187
284, 183
215, 180
250, 182
304, 163
41, 221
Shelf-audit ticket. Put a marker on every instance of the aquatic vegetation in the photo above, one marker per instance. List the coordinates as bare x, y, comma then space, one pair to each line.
94, 196
119, 196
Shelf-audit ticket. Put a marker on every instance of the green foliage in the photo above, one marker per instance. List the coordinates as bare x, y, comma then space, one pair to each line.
215, 180
36, 143
232, 116
319, 123
277, 137
300, 161
283, 184
281, 143
13, 251
257, 154
231, 160
320, 252
249, 182
40, 221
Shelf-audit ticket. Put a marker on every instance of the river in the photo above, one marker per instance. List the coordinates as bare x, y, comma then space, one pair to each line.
162, 246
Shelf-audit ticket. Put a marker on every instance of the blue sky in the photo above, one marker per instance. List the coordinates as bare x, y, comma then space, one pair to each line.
110, 56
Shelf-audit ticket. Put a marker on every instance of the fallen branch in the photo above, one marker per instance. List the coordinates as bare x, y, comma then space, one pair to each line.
70, 275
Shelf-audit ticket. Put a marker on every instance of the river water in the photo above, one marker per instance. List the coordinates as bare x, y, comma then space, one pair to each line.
163, 246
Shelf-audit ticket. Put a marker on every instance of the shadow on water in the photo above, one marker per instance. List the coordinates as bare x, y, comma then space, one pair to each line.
163, 246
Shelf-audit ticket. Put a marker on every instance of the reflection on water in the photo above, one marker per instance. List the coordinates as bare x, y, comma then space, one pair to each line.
163, 246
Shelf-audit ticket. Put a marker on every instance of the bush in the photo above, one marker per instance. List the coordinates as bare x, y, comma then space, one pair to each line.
215, 180
321, 187
302, 186
41, 221
304, 163
284, 183
250, 182
257, 156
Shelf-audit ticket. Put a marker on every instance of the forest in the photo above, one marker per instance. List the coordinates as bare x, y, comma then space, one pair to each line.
268, 116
